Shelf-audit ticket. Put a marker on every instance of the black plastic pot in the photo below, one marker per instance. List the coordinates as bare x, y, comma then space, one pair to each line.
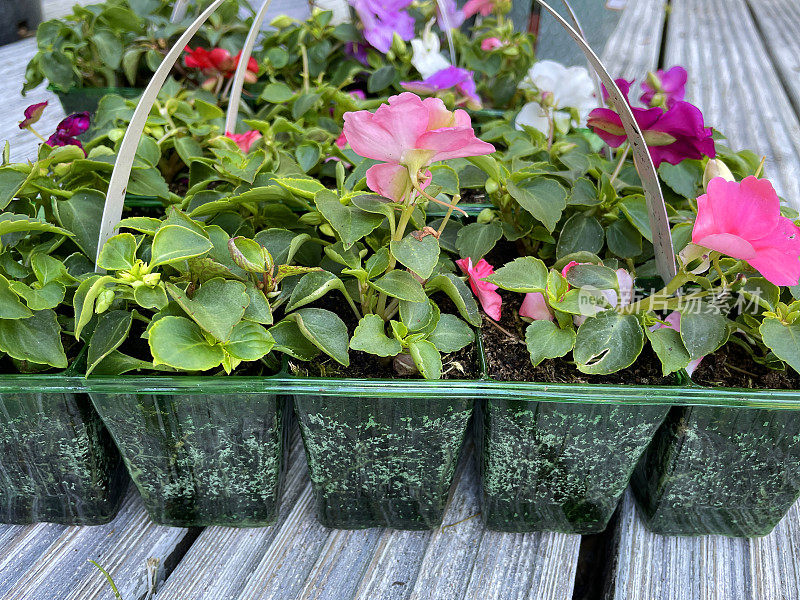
58, 463
383, 461
199, 457
550, 466
18, 19
724, 471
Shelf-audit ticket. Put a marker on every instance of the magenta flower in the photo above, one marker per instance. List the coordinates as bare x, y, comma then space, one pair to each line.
408, 135
244, 140
491, 43
535, 307
452, 16
485, 292
68, 129
461, 80
673, 321
743, 220
32, 114
472, 7
664, 88
671, 136
382, 19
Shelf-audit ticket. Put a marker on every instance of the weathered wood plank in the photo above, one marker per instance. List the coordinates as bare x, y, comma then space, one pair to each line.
634, 46
778, 22
652, 566
20, 548
732, 80
61, 570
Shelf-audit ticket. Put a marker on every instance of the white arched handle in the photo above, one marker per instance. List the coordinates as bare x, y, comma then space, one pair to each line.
241, 69
115, 198
656, 208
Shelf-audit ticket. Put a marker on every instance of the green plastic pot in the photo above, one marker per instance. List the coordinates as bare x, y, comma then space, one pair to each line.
549, 466
199, 456
720, 471
383, 461
58, 463
87, 99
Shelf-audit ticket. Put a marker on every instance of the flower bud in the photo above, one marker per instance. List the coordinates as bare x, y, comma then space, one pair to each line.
151, 279
716, 168
282, 22
104, 301
491, 186
398, 45
311, 218
485, 216
326, 229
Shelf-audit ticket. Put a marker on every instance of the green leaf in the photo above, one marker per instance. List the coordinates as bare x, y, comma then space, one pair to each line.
276, 93
307, 155
36, 339
10, 306
350, 222
451, 334
545, 339
580, 233
290, 340
703, 329
81, 215
249, 341
685, 178
118, 253
418, 316
305, 188
669, 348
370, 337
151, 297
608, 343
381, 79
188, 149
217, 306
421, 256
11, 181
524, 275
247, 254
476, 240
783, 340
40, 298
635, 209
623, 239
584, 193
544, 198
325, 330
402, 285
259, 310
427, 358
84, 298
303, 104
459, 293
22, 224
111, 331
173, 243
180, 343
593, 276
313, 286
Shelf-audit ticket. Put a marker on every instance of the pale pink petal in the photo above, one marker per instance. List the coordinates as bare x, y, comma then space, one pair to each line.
486, 292
535, 307
390, 180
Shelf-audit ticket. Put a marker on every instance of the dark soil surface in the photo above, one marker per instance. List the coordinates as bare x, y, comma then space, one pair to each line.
457, 365
732, 366
508, 358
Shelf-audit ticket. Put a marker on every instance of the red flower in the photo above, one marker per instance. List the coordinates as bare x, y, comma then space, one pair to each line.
68, 129
218, 63
486, 292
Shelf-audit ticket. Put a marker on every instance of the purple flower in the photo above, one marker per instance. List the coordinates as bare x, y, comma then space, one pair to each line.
68, 129
671, 135
452, 77
664, 87
32, 114
452, 16
382, 19
357, 51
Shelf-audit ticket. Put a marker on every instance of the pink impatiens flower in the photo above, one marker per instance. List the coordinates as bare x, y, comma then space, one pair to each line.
68, 129
671, 136
743, 220
472, 7
664, 87
32, 114
244, 140
535, 307
491, 43
409, 134
486, 292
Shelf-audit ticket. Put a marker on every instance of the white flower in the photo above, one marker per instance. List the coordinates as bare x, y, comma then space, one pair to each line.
566, 87
427, 58
340, 9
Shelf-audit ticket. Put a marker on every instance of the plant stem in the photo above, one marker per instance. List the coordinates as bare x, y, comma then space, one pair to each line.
442, 225
621, 162
36, 133
304, 54
551, 133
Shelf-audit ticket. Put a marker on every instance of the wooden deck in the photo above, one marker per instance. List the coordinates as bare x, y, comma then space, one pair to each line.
743, 57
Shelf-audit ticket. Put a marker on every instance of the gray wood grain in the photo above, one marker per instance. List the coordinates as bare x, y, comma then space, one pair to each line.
60, 571
650, 566
732, 80
634, 46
